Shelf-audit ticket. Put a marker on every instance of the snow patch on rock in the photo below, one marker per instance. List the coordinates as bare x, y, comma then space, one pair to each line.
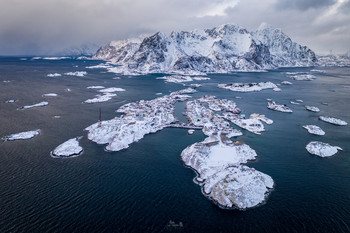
249, 87
322, 149
54, 75
77, 73
41, 104
68, 149
314, 129
22, 136
333, 120
223, 177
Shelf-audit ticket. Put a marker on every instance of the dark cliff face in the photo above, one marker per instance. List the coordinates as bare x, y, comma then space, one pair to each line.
151, 51
199, 63
259, 54
106, 52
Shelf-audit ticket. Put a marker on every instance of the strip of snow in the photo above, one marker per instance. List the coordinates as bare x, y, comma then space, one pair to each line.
100, 98
77, 73
54, 75
318, 71
41, 104
22, 135
70, 148
286, 83
111, 89
50, 95
95, 87
322, 149
182, 79
332, 120
312, 108
314, 129
10, 101
100, 66
187, 91
55, 58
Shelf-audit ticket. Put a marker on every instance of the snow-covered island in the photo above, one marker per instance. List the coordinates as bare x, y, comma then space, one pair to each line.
182, 79
252, 124
223, 49
10, 101
111, 89
248, 87
22, 135
322, 149
286, 83
218, 164
107, 94
100, 98
95, 87
77, 73
303, 77
100, 66
54, 75
50, 95
314, 129
41, 104
138, 119
333, 120
312, 108
218, 160
278, 107
70, 148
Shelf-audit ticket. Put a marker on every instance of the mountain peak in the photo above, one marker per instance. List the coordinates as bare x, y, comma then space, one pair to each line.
264, 26
221, 49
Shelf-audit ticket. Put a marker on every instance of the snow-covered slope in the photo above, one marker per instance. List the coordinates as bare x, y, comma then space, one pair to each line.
219, 50
284, 52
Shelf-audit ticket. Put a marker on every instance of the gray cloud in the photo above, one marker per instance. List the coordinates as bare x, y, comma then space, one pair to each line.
304, 5
46, 27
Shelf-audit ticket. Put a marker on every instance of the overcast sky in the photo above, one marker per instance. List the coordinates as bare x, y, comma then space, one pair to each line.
37, 27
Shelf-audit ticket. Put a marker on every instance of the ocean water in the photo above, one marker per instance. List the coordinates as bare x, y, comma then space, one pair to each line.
144, 187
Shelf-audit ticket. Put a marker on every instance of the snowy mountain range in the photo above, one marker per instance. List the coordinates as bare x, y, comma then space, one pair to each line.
221, 49
334, 60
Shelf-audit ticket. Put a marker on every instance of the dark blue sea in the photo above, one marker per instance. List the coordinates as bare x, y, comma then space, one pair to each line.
142, 188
